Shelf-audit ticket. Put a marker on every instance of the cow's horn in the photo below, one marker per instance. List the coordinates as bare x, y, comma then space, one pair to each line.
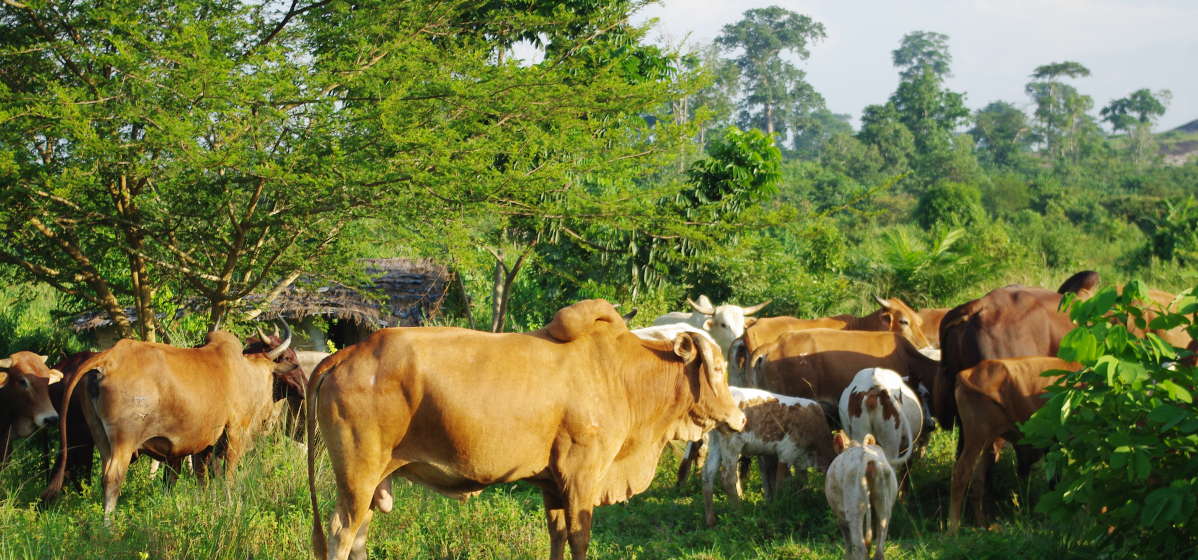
6, 363
882, 302
628, 316
274, 354
261, 335
704, 305
756, 308
43, 358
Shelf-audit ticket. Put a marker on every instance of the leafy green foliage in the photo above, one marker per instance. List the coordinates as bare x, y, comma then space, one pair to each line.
1122, 431
950, 204
923, 51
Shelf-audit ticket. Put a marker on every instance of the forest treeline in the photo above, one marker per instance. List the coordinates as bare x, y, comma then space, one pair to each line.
157, 155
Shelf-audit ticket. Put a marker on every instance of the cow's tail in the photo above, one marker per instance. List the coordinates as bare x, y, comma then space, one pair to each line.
319, 544
54, 488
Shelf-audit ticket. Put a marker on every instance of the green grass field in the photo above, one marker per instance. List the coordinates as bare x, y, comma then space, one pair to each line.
265, 514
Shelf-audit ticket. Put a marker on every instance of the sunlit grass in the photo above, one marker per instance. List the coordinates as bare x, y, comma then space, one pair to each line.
265, 514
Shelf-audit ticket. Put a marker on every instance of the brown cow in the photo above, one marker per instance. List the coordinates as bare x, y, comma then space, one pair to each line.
994, 397
930, 324
820, 363
581, 409
24, 397
79, 440
1009, 322
171, 403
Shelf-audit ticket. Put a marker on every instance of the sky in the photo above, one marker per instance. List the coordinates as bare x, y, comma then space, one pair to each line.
995, 44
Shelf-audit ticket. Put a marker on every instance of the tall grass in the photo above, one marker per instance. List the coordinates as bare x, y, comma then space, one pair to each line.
264, 513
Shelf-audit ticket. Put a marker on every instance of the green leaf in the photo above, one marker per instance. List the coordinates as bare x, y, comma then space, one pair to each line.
1176, 392
1168, 416
1079, 345
1142, 465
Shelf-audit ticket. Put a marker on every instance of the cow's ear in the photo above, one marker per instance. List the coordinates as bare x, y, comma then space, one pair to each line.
870, 440
749, 321
55, 376
887, 317
707, 325
684, 347
3, 379
839, 441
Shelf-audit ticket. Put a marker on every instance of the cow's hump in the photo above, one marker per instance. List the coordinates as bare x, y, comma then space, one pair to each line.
580, 319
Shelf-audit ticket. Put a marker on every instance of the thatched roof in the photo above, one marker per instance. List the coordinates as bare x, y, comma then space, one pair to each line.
399, 292
402, 293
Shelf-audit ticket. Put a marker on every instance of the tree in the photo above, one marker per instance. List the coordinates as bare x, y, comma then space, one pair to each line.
1002, 134
220, 149
882, 128
777, 90
1061, 109
1135, 115
922, 51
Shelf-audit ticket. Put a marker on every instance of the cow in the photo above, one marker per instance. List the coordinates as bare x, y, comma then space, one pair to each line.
892, 315
24, 398
581, 408
878, 402
993, 397
1008, 322
930, 324
791, 430
861, 489
171, 403
820, 363
79, 441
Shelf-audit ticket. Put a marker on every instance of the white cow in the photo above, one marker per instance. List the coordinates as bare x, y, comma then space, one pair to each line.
861, 489
792, 429
878, 402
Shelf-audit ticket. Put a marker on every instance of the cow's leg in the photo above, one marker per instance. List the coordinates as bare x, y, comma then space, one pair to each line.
768, 467
578, 523
981, 479
972, 449
116, 466
729, 474
711, 468
555, 516
881, 500
201, 464
693, 451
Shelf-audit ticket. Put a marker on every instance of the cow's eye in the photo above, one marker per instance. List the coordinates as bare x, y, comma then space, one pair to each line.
904, 322
24, 383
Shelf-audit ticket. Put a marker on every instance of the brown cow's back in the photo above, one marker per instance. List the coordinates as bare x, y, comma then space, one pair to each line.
819, 363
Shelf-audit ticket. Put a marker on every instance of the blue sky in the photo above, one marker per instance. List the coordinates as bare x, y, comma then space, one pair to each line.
1126, 44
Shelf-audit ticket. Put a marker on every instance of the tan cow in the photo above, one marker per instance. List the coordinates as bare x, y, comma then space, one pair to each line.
24, 397
172, 402
581, 409
930, 323
893, 315
820, 363
993, 397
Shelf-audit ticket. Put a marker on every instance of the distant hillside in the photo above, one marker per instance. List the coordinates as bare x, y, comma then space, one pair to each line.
1188, 128
1179, 145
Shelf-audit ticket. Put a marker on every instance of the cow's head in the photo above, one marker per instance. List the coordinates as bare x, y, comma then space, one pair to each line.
896, 316
707, 373
726, 323
25, 394
289, 377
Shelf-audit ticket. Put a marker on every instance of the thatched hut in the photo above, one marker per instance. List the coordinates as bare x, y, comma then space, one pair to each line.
397, 293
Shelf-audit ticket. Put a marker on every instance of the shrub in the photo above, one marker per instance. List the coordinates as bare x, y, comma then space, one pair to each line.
950, 204
1122, 432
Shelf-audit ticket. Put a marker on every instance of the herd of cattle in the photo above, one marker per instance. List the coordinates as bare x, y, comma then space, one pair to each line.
581, 408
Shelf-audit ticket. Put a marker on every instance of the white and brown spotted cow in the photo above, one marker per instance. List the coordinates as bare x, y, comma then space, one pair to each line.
861, 489
793, 430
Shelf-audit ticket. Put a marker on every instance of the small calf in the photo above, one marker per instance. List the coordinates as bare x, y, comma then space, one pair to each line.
790, 428
878, 402
861, 488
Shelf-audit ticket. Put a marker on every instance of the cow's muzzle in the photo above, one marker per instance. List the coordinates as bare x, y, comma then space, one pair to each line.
736, 420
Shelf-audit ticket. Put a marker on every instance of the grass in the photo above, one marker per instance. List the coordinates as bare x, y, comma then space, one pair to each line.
264, 513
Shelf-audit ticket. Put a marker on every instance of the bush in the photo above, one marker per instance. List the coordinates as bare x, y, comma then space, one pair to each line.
950, 204
1122, 432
